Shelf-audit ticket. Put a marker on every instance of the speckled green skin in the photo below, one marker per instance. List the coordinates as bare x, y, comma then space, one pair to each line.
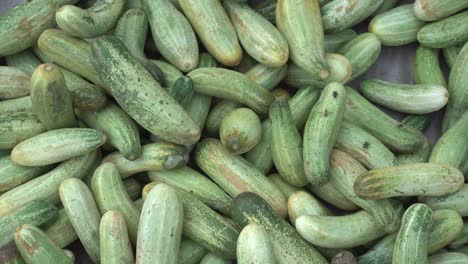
17, 127
361, 52
71, 53
267, 77
92, 22
254, 246
258, 37
160, 227
332, 42
14, 83
396, 27
420, 155
84, 94
196, 184
12, 174
450, 55
431, 10
140, 95
170, 73
321, 131
331, 195
338, 15
285, 188
460, 241
240, 130
436, 35
24, 60
21, 104
409, 180
364, 147
267, 9
51, 100
120, 130
288, 246
217, 114
452, 146
235, 175
115, 245
420, 122
57, 145
36, 247
344, 170
448, 258
340, 71
286, 144
455, 201
211, 258
260, 156
132, 30
198, 108
411, 241
339, 231
381, 252
61, 231
231, 85
35, 213
458, 101
22, 25
83, 213
426, 67
172, 34
190, 252
396, 136
303, 203
212, 25
110, 194
182, 90
406, 98
155, 156
46, 186
385, 6
301, 24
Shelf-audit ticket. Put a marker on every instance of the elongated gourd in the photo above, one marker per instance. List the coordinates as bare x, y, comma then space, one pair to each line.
436, 35
190, 252
303, 203
267, 77
254, 246
114, 244
21, 104
455, 201
12, 174
14, 83
301, 24
240, 130
431, 10
333, 42
17, 127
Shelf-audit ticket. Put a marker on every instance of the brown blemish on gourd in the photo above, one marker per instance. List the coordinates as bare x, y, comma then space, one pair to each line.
30, 248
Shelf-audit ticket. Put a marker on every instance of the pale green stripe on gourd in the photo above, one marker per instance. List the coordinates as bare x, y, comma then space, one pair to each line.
170, 73
331, 195
286, 144
190, 252
394, 135
411, 240
332, 42
267, 77
339, 231
344, 170
160, 227
120, 130
431, 10
455, 201
385, 6
13, 175
288, 245
57, 145
286, 189
259, 37
254, 246
142, 97
450, 55
462, 239
172, 34
303, 203
419, 122
409, 180
217, 114
36, 247
267, 9
211, 258
24, 60
51, 100
83, 213
448, 258
92, 22
426, 67
61, 231
17, 127
301, 24
235, 175
397, 26
406, 98
231, 85
14, 83
154, 156
364, 147
46, 187
212, 25
22, 24
321, 131
191, 181
182, 90
240, 130
114, 244
338, 15
450, 31
362, 52
21, 104
110, 194
340, 71
420, 155
35, 213
261, 156
458, 101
